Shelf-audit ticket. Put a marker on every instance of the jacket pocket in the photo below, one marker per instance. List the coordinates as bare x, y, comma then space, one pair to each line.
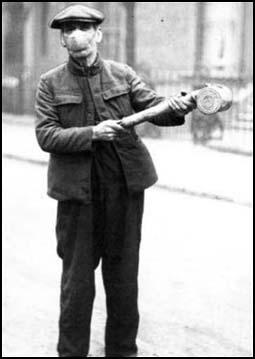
117, 100
69, 108
115, 92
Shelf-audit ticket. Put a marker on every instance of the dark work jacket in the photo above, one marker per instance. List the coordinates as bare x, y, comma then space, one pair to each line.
64, 125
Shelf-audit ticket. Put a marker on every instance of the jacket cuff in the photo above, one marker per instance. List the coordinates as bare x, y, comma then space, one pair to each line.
87, 134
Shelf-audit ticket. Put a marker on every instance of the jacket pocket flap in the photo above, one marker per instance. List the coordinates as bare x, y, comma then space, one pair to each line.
115, 91
63, 99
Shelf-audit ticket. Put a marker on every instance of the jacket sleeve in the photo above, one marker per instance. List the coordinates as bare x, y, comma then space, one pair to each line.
142, 97
51, 136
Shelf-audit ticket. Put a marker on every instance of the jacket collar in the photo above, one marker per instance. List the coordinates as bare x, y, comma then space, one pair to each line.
80, 69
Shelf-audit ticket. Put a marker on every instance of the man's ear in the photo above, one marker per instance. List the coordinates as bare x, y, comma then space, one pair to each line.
99, 35
62, 41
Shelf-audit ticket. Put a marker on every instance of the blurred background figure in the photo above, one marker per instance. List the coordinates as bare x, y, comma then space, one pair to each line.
194, 43
206, 127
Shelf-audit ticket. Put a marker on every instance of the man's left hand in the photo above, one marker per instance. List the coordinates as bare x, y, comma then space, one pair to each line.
182, 104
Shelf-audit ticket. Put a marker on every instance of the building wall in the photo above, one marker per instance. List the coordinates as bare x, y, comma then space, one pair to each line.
166, 35
247, 40
42, 46
113, 45
4, 27
222, 39
48, 51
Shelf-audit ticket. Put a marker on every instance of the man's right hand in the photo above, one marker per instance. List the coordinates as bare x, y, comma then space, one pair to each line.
107, 130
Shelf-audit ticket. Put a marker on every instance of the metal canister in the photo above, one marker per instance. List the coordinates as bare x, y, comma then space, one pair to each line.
214, 98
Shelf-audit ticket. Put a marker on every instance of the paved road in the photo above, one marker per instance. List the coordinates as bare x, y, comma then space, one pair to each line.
195, 273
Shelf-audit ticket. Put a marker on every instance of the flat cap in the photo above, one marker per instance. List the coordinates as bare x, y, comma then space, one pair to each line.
76, 13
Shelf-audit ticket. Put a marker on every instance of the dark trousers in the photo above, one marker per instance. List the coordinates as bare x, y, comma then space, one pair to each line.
108, 229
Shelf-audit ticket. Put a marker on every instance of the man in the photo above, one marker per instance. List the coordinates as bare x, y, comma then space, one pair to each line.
98, 172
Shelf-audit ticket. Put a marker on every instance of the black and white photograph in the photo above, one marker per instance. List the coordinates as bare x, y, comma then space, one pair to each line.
127, 158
